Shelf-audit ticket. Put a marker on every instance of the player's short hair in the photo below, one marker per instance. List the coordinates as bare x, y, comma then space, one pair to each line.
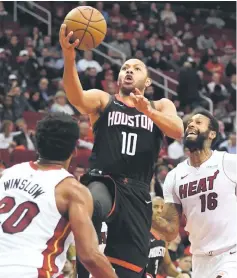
213, 124
56, 136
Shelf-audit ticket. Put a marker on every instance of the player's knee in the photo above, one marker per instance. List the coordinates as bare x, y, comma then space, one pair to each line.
102, 200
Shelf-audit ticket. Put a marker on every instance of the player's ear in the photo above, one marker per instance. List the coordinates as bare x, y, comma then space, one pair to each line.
212, 135
148, 82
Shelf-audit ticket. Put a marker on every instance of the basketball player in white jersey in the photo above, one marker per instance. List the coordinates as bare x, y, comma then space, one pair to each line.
203, 187
41, 203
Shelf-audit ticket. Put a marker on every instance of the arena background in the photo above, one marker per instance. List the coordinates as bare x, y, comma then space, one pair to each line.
189, 48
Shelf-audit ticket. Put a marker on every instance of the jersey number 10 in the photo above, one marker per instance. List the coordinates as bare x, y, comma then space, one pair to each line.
129, 143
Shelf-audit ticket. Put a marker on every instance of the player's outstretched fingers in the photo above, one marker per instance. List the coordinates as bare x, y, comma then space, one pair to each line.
134, 98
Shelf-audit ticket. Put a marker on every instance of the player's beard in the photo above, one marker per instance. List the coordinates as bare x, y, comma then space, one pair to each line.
196, 144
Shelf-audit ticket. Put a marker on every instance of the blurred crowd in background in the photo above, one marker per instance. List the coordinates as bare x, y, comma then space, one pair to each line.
196, 47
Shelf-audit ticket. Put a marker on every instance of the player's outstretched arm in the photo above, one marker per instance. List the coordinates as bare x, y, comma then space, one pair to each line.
164, 115
168, 224
87, 102
79, 205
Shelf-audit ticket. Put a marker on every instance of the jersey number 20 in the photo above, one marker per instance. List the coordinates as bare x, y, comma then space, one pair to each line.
20, 218
129, 143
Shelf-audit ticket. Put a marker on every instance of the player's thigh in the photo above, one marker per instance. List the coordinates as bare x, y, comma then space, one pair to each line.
127, 273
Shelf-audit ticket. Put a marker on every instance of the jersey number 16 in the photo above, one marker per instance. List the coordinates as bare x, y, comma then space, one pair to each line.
129, 143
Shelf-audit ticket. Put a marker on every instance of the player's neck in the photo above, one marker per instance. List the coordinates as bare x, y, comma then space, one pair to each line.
197, 158
45, 163
126, 99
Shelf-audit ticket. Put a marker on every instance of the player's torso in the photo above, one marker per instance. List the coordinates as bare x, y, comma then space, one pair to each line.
126, 141
209, 203
30, 221
156, 254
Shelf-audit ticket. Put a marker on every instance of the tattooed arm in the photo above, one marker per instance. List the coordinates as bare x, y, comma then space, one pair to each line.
167, 225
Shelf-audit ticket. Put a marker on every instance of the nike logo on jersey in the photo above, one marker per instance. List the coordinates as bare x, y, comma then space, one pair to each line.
152, 240
148, 202
115, 102
231, 253
184, 176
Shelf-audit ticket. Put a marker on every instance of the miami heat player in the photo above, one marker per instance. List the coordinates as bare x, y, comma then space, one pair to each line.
40, 203
204, 188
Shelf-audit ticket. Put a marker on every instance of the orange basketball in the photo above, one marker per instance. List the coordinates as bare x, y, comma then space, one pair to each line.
88, 25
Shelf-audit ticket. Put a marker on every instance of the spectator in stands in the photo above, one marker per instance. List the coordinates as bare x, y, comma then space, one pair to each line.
154, 17
176, 149
90, 80
3, 12
214, 66
79, 171
60, 104
224, 42
168, 15
36, 101
139, 54
121, 45
20, 102
231, 67
153, 45
134, 46
7, 134
5, 66
26, 138
232, 90
202, 83
28, 67
216, 80
222, 135
204, 41
43, 88
214, 20
14, 46
157, 62
9, 111
88, 62
116, 16
230, 144
188, 88
196, 17
185, 264
189, 55
100, 7
185, 35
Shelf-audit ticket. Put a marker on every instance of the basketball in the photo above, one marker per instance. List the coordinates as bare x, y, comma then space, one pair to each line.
88, 25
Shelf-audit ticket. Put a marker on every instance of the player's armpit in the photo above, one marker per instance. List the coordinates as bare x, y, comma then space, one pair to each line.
168, 224
80, 208
166, 118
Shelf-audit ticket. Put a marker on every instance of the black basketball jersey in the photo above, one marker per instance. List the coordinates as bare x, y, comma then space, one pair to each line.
156, 254
127, 142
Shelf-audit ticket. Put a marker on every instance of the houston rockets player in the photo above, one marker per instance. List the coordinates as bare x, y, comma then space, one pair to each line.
40, 203
159, 257
204, 188
128, 133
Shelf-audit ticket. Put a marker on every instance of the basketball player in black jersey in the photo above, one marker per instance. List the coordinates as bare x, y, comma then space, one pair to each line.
159, 258
128, 133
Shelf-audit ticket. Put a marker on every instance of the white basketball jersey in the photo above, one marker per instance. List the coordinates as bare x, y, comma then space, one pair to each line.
208, 198
34, 237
